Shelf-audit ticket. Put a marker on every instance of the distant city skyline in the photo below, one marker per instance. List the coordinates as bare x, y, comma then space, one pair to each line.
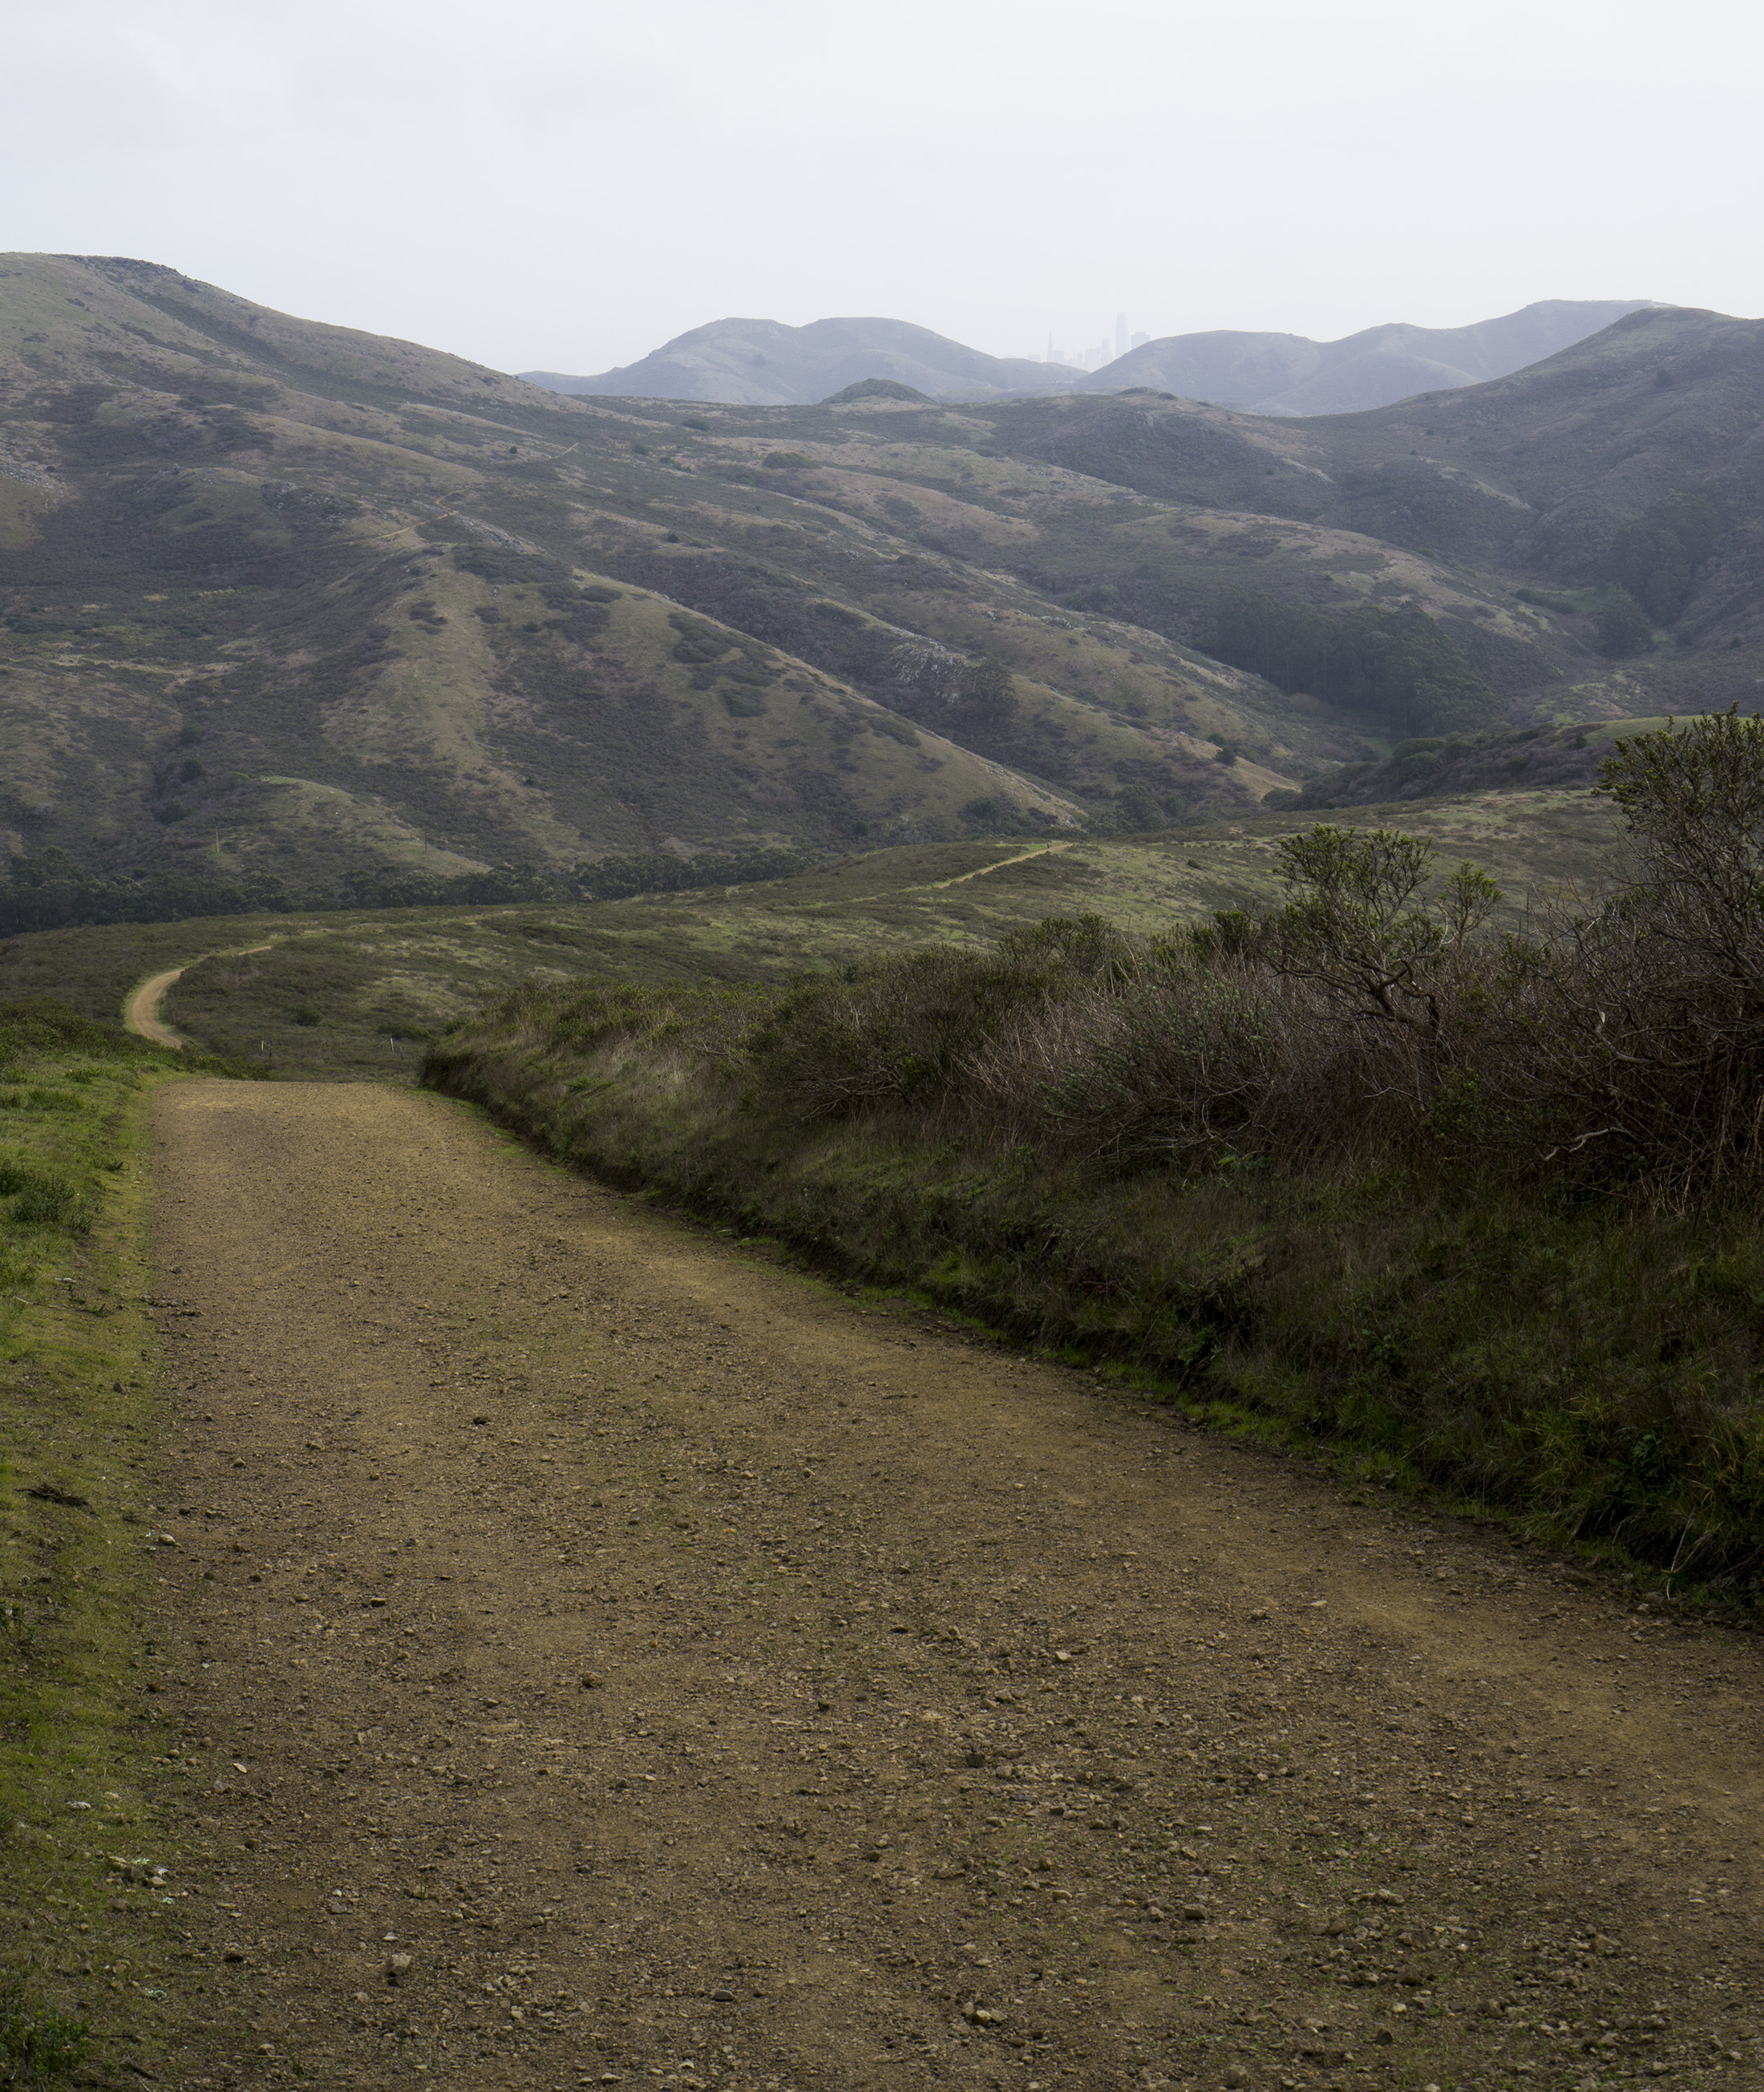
1094, 358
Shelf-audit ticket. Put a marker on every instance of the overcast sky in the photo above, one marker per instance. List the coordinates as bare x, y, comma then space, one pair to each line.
564, 187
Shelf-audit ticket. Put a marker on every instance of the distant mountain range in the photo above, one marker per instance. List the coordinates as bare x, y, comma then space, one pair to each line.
761, 363
1285, 373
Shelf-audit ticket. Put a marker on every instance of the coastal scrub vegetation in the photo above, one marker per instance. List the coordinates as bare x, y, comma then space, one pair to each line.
1479, 1208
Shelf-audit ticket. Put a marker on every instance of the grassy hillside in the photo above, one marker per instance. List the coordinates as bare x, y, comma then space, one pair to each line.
361, 992
78, 1467
291, 605
294, 616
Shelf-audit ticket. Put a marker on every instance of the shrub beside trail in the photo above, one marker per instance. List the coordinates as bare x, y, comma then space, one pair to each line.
1481, 1211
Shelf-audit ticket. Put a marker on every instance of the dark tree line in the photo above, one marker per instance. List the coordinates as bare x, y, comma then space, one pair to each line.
1650, 573
1396, 667
1656, 559
51, 892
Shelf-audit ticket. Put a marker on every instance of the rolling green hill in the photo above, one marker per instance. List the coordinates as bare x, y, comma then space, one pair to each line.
295, 614
298, 611
360, 992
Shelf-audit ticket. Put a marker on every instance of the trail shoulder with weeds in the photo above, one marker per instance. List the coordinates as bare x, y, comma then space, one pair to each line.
85, 1920
1474, 1211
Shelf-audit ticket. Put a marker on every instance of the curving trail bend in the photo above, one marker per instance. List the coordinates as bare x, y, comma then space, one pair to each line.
140, 1012
596, 1655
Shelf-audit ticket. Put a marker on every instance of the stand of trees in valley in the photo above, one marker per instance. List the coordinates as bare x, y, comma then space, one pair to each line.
1396, 667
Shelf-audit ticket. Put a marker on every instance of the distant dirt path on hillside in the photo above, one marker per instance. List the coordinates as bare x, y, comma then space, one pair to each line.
595, 1655
140, 1012
1004, 864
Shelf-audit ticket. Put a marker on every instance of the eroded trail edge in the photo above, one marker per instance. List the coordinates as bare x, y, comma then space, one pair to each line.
592, 1654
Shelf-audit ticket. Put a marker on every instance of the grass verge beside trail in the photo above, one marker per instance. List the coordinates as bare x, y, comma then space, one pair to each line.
85, 1914
1584, 1369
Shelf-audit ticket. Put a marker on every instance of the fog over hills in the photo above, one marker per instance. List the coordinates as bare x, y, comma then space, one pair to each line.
757, 363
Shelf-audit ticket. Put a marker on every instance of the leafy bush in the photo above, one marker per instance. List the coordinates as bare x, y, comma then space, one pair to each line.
895, 1031
1370, 1021
39, 1024
987, 687
1622, 628
1487, 1207
43, 1199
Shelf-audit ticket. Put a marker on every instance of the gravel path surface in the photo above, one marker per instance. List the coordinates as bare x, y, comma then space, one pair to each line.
595, 1655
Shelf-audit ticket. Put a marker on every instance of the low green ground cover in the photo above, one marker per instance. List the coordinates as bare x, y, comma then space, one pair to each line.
85, 1912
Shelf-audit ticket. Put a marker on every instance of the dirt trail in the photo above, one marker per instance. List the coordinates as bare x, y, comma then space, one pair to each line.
1004, 864
140, 1012
704, 1682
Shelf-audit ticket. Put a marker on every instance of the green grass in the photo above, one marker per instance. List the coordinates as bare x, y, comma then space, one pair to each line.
85, 1938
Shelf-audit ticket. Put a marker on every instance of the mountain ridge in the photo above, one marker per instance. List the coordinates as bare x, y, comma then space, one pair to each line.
1289, 374
757, 362
754, 362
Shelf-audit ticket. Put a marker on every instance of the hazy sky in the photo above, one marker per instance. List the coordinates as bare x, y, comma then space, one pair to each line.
566, 185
